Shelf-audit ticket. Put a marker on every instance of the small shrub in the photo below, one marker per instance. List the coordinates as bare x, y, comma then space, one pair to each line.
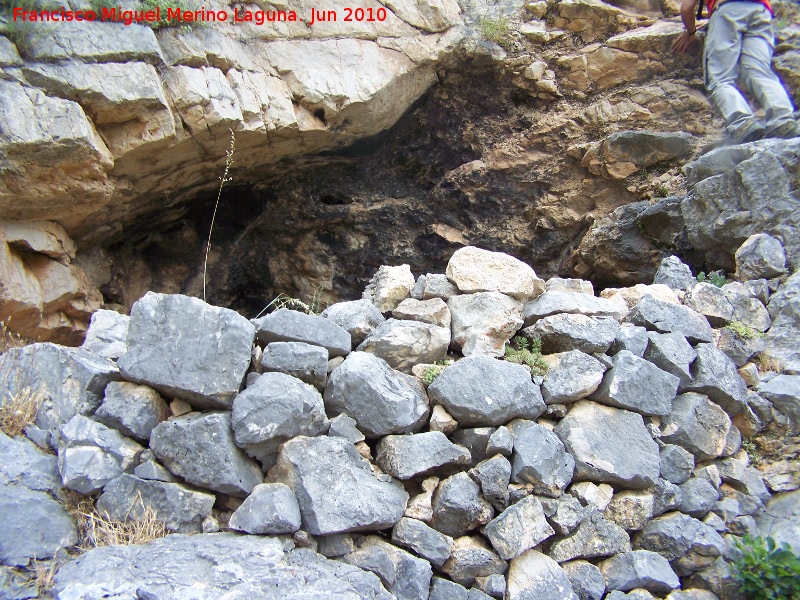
20, 411
431, 373
285, 301
717, 279
766, 571
752, 452
497, 30
523, 351
742, 331
766, 363
662, 191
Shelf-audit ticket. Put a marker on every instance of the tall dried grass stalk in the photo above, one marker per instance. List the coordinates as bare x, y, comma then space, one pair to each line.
101, 531
222, 180
20, 411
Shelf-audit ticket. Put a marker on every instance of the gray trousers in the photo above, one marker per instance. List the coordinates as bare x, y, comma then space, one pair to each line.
739, 44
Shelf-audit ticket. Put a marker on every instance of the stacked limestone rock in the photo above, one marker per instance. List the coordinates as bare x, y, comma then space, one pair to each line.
620, 470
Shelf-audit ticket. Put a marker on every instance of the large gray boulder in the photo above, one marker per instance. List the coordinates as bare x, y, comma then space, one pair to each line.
781, 520
306, 362
91, 454
595, 537
402, 574
761, 256
477, 270
381, 400
636, 384
671, 352
571, 376
275, 408
187, 349
518, 528
286, 325
181, 508
587, 580
739, 191
132, 409
360, 318
22, 463
674, 535
335, 487
422, 539
675, 274
564, 332
201, 449
471, 558
666, 317
609, 445
781, 340
711, 302
406, 456
784, 393
403, 344
534, 575
437, 285
677, 463
553, 302
639, 569
433, 311
493, 475
270, 509
35, 527
458, 506
479, 390
698, 496
70, 381
697, 425
389, 286
540, 459
715, 374
483, 323
245, 566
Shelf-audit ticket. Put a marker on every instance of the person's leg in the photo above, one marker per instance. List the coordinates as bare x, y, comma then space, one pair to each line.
723, 47
757, 74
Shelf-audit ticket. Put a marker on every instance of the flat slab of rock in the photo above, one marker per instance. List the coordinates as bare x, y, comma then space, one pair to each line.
275, 408
666, 317
107, 334
132, 409
201, 449
71, 380
671, 352
405, 576
565, 332
479, 390
286, 325
697, 425
518, 528
270, 509
335, 487
477, 270
306, 362
609, 445
187, 349
674, 534
715, 374
381, 400
35, 528
782, 520
636, 384
176, 565
403, 344
784, 393
639, 569
181, 508
406, 456
358, 317
571, 376
433, 311
483, 323
595, 537
534, 575
553, 302
91, 454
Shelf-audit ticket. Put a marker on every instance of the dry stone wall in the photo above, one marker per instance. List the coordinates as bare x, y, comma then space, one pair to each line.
303, 453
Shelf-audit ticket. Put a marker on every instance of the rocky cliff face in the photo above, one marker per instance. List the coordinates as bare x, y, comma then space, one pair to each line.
356, 143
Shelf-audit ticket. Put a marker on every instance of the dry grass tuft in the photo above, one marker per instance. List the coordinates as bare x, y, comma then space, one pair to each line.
20, 411
101, 531
10, 339
764, 362
44, 575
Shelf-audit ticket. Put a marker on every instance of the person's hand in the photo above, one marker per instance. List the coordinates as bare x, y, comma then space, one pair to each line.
683, 43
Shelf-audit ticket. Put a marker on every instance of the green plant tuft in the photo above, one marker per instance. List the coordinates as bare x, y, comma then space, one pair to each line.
752, 452
523, 351
766, 571
497, 30
717, 279
742, 331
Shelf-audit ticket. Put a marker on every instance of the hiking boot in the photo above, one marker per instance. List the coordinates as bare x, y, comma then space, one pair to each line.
751, 131
790, 129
